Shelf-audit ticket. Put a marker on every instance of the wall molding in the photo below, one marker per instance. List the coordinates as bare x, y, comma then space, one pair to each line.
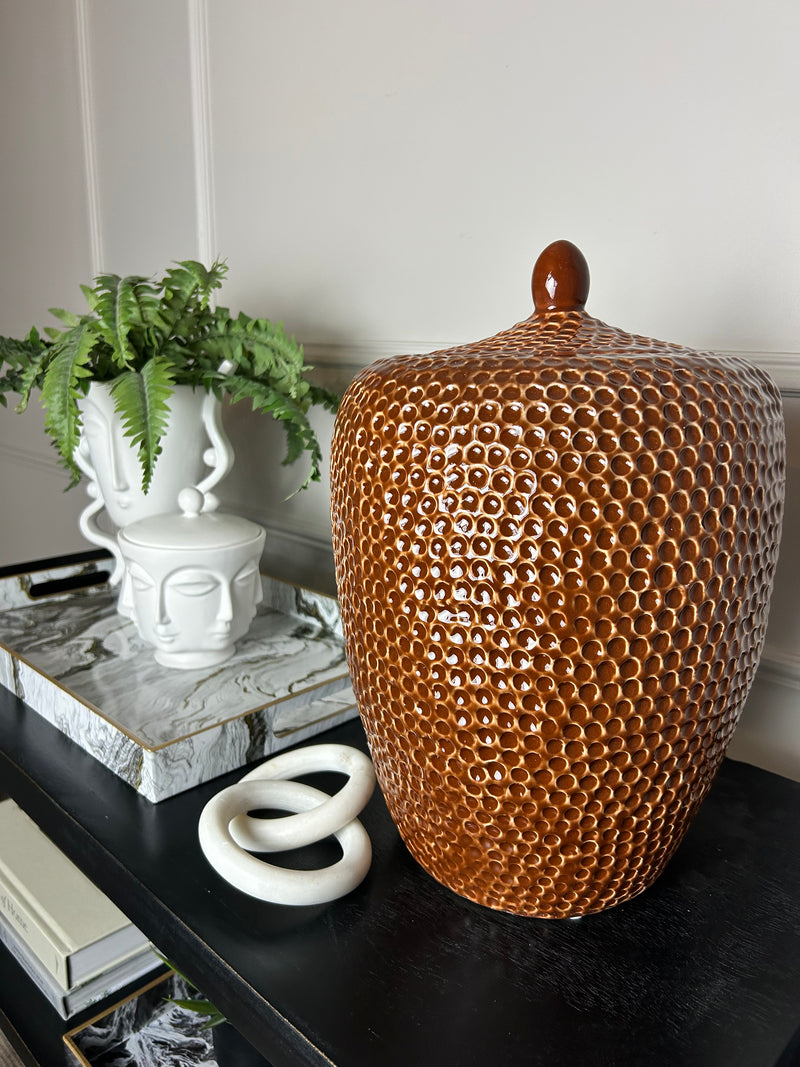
202, 131
781, 668
783, 367
355, 355
44, 463
89, 131
299, 557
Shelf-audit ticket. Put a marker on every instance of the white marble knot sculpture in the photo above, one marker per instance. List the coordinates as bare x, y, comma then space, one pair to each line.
228, 835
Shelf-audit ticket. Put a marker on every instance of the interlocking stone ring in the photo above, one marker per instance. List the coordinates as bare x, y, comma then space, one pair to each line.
227, 832
294, 831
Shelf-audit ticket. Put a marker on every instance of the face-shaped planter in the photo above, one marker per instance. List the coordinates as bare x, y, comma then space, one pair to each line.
554, 554
191, 582
194, 451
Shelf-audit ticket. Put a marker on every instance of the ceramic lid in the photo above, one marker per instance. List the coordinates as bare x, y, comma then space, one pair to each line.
192, 529
560, 328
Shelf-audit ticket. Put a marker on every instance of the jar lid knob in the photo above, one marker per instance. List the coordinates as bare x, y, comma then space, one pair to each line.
560, 278
190, 501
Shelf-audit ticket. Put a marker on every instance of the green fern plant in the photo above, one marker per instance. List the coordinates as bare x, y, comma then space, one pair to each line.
145, 337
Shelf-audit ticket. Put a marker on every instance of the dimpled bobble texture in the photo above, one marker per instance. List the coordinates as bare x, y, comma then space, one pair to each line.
554, 553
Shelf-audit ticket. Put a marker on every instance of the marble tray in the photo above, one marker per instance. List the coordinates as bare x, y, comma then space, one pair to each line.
143, 1030
73, 659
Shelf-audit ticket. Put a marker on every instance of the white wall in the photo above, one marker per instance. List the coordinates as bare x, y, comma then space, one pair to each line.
381, 177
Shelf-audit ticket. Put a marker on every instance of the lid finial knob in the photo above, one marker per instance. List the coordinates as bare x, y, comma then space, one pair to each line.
190, 501
560, 278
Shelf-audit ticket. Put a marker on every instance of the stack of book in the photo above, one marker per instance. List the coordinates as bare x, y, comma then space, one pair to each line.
71, 940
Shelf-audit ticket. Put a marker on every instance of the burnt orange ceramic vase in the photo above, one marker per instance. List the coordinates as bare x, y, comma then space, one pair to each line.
554, 552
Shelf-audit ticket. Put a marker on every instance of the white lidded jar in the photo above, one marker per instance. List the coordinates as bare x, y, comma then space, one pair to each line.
192, 582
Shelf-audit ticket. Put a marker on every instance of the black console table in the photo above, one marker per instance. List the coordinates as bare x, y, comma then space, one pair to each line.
703, 970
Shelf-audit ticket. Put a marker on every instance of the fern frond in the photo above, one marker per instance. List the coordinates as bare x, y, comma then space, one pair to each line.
217, 347
278, 355
32, 375
141, 398
190, 278
61, 387
23, 363
17, 353
21, 371
186, 289
318, 395
69, 318
260, 349
121, 304
263, 397
200, 1007
300, 436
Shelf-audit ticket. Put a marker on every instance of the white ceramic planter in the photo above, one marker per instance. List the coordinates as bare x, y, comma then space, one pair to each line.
191, 582
194, 452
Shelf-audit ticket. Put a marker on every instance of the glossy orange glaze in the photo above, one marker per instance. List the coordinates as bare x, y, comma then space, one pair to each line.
555, 551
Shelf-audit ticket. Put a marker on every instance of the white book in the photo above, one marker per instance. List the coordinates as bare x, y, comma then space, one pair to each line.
69, 1002
63, 918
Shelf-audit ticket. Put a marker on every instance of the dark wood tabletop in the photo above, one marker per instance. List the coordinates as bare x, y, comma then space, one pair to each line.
702, 969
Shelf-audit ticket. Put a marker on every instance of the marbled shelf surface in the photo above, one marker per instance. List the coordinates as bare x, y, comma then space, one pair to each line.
76, 661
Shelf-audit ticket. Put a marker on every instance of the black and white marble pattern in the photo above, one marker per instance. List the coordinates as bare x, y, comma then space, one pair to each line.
79, 664
146, 1031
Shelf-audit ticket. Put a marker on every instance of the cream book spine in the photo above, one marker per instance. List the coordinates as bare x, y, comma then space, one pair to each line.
69, 1002
41, 937
53, 907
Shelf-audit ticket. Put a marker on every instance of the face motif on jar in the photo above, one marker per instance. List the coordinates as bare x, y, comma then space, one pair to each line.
194, 613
